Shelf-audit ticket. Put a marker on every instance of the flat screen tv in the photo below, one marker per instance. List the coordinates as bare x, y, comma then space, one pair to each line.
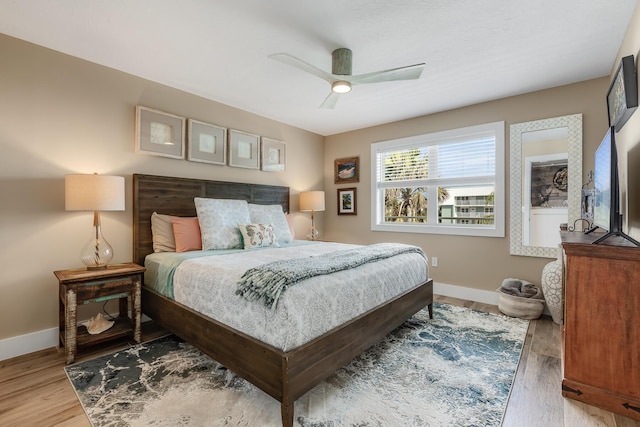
606, 210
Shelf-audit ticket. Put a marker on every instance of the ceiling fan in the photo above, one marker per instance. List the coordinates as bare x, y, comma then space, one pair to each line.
341, 78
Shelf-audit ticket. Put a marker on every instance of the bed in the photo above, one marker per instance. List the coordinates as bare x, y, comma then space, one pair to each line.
285, 375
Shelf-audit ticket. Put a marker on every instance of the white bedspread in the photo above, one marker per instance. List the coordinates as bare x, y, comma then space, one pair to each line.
307, 309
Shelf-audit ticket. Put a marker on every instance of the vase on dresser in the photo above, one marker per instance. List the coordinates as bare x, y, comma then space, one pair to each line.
552, 289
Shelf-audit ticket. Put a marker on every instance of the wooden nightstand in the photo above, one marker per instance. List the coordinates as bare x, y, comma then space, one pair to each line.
81, 286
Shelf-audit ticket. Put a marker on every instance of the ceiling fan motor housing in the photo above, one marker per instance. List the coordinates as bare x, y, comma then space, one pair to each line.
341, 62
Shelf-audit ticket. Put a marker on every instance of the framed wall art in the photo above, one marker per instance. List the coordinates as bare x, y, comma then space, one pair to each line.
347, 201
159, 133
347, 170
273, 155
207, 143
622, 98
243, 149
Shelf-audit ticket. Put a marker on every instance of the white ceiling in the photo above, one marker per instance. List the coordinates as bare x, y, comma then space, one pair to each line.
474, 50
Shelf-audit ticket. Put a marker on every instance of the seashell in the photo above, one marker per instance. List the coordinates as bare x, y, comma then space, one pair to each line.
98, 324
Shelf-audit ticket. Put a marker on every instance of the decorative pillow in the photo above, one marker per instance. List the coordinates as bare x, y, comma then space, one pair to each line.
187, 234
162, 233
271, 214
219, 219
290, 224
258, 235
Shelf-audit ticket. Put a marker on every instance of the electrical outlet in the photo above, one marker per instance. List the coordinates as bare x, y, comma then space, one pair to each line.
434, 261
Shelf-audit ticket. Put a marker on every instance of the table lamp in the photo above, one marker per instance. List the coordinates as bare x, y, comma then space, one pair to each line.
312, 201
95, 193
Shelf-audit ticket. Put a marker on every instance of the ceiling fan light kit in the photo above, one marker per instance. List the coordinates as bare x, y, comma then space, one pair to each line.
341, 86
341, 78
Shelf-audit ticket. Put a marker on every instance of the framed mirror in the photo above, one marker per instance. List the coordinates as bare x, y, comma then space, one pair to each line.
546, 183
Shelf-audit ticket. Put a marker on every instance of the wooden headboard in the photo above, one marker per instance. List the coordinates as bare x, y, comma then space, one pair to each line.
174, 196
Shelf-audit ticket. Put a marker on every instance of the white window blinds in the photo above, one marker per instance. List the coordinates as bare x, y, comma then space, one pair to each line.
424, 178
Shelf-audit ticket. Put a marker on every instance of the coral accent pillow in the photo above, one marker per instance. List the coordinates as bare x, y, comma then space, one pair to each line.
258, 235
187, 234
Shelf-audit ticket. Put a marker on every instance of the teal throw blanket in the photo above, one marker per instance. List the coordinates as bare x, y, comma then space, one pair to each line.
267, 282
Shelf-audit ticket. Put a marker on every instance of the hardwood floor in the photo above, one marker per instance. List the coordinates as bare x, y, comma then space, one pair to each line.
536, 397
34, 389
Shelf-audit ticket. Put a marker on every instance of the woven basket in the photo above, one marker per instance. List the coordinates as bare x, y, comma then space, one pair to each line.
521, 307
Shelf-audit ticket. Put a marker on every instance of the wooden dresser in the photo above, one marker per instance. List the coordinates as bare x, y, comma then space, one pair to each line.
601, 331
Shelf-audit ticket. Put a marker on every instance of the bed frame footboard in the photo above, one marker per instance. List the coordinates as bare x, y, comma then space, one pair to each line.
285, 376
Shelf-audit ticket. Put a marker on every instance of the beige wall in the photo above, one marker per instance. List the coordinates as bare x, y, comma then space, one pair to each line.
61, 115
475, 262
628, 140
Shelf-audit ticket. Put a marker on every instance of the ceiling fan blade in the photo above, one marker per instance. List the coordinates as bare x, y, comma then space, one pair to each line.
285, 58
330, 101
410, 72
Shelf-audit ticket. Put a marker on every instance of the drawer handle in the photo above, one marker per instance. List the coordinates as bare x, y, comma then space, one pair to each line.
634, 408
571, 390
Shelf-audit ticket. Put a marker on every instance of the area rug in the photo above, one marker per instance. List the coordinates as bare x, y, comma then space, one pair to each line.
454, 370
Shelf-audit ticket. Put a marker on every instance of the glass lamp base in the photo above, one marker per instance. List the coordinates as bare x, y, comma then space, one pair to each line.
313, 234
98, 252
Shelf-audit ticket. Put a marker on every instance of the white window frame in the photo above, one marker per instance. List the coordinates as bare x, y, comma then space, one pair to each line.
496, 129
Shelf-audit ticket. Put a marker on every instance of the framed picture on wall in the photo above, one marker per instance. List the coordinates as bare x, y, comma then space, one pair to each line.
347, 201
159, 133
273, 155
243, 149
347, 170
207, 143
622, 98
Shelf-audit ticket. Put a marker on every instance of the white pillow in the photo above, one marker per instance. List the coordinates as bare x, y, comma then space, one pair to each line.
258, 235
219, 219
162, 233
271, 214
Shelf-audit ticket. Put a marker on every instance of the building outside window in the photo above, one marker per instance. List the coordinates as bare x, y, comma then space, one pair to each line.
470, 208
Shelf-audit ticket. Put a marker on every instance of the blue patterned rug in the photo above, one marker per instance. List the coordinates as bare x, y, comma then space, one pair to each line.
454, 370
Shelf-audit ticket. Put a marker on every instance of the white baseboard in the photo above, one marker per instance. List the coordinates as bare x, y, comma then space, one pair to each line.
462, 292
35, 341
471, 294
28, 343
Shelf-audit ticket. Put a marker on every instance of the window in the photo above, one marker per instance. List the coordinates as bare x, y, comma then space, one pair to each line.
449, 182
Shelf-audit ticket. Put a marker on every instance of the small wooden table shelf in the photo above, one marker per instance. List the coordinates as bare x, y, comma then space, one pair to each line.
81, 286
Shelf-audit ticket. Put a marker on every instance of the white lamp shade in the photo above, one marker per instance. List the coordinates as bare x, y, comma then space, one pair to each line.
94, 193
312, 201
